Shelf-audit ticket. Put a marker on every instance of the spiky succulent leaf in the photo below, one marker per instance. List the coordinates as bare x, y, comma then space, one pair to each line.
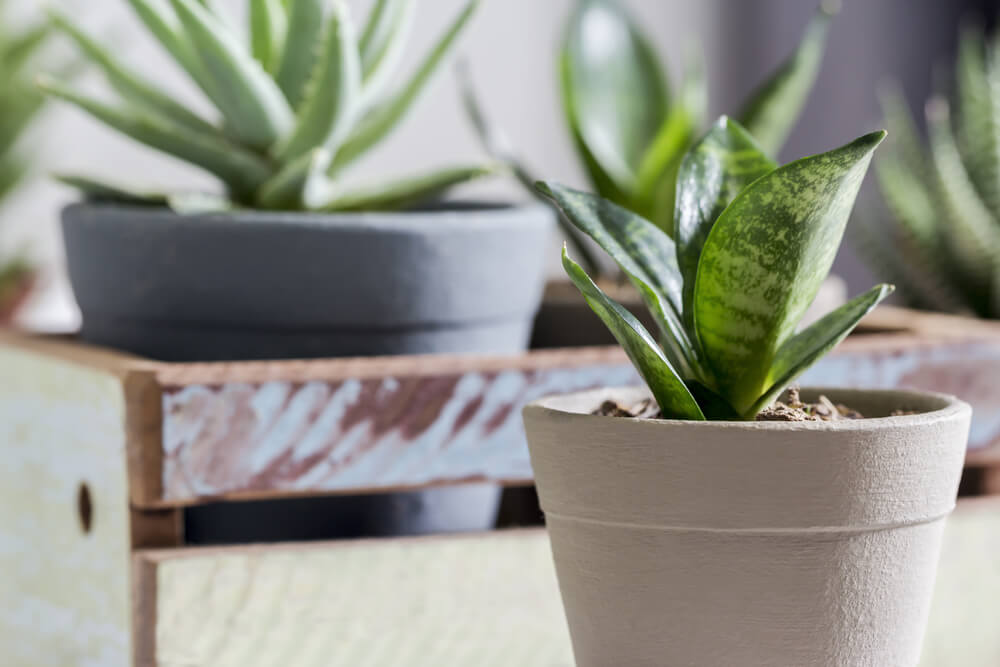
670, 392
771, 112
714, 171
268, 26
764, 261
407, 192
813, 343
978, 115
382, 42
101, 191
306, 22
614, 91
383, 119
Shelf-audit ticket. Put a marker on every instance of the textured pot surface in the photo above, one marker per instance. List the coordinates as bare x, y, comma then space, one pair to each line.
743, 543
268, 285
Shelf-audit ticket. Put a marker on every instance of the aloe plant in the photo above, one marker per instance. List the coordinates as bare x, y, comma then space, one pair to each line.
942, 244
20, 103
752, 242
303, 98
629, 131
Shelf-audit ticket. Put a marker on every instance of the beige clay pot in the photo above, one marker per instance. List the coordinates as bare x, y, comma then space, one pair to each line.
748, 544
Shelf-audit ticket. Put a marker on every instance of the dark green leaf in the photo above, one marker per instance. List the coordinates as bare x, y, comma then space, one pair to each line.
765, 259
715, 170
668, 389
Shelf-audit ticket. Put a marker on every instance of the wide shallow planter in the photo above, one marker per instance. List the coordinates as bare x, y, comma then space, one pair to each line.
254, 285
750, 544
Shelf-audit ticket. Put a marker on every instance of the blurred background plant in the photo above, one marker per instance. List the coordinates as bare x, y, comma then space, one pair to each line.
20, 104
629, 129
941, 245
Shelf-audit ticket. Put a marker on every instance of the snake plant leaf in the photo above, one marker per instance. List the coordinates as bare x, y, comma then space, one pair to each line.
812, 344
132, 87
407, 192
332, 97
268, 26
972, 232
164, 26
645, 254
714, 171
713, 406
772, 110
100, 191
240, 169
386, 117
673, 397
253, 107
615, 93
306, 21
764, 261
382, 42
978, 115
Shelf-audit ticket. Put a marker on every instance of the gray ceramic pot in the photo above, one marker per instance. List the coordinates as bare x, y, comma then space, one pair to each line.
461, 278
251, 285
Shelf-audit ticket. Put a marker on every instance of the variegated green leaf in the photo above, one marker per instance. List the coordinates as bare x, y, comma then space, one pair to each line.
668, 389
764, 261
332, 98
306, 21
407, 192
614, 91
385, 118
254, 108
772, 110
131, 86
240, 169
382, 42
714, 171
813, 343
268, 26
644, 252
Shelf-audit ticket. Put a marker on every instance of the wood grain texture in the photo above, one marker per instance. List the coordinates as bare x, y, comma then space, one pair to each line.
482, 600
65, 592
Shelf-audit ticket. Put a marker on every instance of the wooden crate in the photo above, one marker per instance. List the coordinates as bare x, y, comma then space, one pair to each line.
103, 452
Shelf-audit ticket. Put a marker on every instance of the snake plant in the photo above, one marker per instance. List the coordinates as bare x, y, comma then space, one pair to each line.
629, 131
301, 99
751, 244
942, 244
20, 103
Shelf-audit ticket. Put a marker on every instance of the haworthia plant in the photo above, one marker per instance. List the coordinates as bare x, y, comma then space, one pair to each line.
942, 243
752, 242
629, 129
20, 104
300, 99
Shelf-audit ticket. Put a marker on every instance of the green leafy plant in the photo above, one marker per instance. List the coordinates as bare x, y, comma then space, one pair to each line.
629, 131
942, 243
20, 103
303, 99
752, 242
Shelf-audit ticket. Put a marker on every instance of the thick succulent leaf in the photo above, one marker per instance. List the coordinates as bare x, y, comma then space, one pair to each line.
298, 184
978, 115
254, 108
904, 141
199, 203
385, 118
714, 171
764, 261
971, 231
332, 97
615, 94
268, 26
498, 146
95, 190
643, 251
908, 197
407, 192
240, 169
15, 52
13, 169
306, 21
668, 389
773, 109
131, 86
383, 41
810, 345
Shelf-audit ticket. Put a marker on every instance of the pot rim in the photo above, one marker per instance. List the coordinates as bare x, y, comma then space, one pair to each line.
950, 407
487, 214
